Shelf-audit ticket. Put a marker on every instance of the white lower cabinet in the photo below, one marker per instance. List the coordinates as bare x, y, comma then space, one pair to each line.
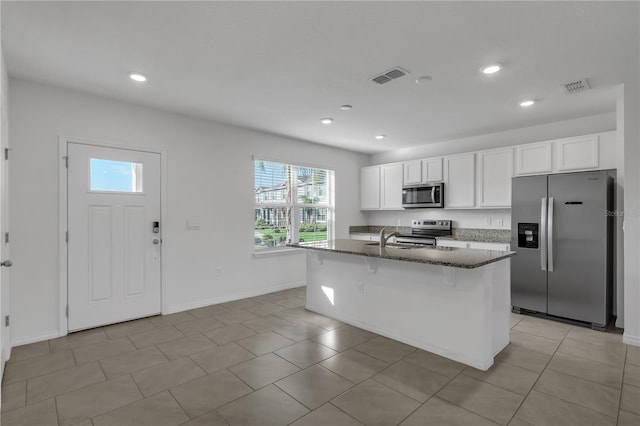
474, 245
453, 243
361, 237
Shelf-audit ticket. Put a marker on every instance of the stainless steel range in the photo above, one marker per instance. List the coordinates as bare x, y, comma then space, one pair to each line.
424, 232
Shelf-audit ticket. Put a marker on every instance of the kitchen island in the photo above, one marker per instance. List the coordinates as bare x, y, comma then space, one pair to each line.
452, 302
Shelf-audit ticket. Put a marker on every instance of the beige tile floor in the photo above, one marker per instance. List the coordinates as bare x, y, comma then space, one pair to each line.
268, 361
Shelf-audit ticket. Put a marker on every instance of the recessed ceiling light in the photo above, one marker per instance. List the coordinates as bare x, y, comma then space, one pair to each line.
527, 103
491, 69
380, 136
326, 120
346, 107
140, 78
423, 80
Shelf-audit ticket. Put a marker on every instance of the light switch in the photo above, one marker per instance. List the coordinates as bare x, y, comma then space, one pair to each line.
193, 226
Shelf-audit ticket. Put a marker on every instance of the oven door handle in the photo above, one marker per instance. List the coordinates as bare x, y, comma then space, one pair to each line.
433, 194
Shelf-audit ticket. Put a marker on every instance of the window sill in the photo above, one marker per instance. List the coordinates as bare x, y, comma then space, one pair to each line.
277, 252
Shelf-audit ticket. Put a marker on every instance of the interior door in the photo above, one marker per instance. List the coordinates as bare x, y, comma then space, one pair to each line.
578, 249
114, 240
5, 248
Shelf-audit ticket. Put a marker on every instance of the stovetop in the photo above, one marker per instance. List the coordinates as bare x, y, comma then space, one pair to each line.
424, 232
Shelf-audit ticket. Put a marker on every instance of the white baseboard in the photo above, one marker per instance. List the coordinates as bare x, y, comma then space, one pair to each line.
33, 339
232, 297
631, 340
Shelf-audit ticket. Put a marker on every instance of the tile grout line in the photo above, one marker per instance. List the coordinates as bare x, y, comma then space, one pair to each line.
624, 368
537, 379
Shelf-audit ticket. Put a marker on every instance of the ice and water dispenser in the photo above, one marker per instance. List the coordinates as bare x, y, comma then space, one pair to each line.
528, 235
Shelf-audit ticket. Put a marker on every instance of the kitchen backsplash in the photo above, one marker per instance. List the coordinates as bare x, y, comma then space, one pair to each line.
474, 219
462, 234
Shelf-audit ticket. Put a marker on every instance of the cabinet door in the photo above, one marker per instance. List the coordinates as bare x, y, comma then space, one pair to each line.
432, 170
495, 170
370, 188
453, 243
533, 159
578, 153
489, 246
412, 172
391, 193
460, 181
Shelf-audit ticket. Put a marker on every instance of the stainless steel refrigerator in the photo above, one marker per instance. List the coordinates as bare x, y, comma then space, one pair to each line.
562, 233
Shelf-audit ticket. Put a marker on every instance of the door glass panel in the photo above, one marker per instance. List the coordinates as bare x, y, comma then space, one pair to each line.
115, 176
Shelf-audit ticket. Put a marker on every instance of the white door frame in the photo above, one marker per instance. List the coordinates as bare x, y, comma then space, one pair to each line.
63, 325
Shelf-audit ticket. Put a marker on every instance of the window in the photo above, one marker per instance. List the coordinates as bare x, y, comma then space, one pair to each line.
292, 204
114, 176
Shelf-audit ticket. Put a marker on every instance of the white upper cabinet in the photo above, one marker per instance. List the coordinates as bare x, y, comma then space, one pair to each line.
460, 181
578, 153
412, 172
370, 188
422, 171
432, 170
534, 158
381, 187
495, 170
391, 193
483, 179
588, 152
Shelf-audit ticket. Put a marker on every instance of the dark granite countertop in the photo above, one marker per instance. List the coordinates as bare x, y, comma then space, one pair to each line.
445, 256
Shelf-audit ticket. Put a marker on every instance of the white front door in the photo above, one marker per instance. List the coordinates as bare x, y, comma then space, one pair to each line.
114, 241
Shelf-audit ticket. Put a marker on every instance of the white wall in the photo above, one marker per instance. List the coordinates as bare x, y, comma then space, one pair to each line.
210, 181
628, 113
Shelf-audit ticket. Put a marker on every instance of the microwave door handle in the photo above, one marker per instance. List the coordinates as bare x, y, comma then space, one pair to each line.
433, 194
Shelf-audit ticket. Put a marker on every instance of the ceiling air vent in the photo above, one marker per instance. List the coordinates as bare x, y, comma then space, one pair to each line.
575, 87
387, 76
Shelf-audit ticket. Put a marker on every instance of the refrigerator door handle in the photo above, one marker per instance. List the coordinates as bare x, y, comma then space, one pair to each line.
543, 234
550, 235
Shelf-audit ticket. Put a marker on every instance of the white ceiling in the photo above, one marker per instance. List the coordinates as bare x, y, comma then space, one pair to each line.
281, 66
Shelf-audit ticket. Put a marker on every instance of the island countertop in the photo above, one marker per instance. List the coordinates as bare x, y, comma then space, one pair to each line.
445, 256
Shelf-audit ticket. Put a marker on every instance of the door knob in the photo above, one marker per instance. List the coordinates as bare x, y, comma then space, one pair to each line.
156, 241
6, 263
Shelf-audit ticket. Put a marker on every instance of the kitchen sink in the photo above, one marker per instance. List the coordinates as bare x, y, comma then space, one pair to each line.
393, 245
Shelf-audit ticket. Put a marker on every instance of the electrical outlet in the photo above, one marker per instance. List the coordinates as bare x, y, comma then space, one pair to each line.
499, 222
218, 272
360, 287
487, 221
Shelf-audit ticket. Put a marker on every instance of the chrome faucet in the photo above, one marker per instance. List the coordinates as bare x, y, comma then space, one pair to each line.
383, 238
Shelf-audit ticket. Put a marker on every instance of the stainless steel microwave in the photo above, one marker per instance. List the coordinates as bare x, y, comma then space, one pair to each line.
429, 195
